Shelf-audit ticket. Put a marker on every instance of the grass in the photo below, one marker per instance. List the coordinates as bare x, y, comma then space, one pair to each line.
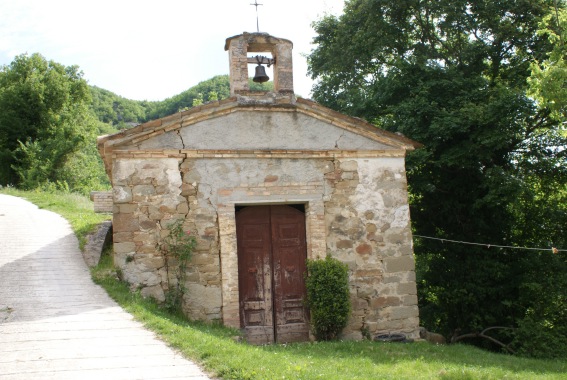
213, 347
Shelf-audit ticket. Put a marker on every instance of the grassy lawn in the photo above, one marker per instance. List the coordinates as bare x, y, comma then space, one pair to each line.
212, 346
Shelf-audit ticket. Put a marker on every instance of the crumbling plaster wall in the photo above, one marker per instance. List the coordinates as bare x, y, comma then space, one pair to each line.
244, 129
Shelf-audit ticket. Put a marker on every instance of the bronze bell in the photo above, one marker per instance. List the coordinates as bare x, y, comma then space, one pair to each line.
260, 76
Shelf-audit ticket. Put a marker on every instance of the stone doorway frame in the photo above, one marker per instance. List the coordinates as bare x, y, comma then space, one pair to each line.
315, 238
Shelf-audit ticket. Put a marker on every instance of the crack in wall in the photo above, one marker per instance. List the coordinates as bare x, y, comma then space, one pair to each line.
181, 138
208, 195
339, 139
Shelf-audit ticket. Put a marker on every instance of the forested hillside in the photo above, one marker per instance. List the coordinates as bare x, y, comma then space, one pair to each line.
119, 112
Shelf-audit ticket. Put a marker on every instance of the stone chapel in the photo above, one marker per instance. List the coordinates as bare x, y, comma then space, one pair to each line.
265, 180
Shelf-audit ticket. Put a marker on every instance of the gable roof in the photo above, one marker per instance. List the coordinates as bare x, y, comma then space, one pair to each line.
258, 102
223, 107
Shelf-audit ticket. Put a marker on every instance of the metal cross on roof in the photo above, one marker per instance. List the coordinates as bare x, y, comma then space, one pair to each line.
257, 24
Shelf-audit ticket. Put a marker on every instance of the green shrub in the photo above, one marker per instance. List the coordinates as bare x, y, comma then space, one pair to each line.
327, 296
542, 332
179, 245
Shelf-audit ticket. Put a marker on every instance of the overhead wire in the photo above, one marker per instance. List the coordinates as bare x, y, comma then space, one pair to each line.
443, 240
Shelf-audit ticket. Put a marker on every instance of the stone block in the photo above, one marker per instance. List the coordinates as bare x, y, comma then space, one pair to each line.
188, 190
211, 268
125, 223
364, 249
154, 213
403, 312
344, 244
204, 298
144, 237
147, 224
142, 192
122, 194
211, 232
155, 292
360, 304
404, 288
348, 175
395, 238
119, 259
150, 261
371, 326
144, 277
127, 208
147, 248
371, 228
168, 209
203, 245
183, 208
399, 264
387, 326
125, 247
381, 302
202, 259
120, 237
409, 300
365, 291
368, 272
391, 279
194, 278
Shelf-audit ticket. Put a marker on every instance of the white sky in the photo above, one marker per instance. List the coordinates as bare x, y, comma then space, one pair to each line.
142, 49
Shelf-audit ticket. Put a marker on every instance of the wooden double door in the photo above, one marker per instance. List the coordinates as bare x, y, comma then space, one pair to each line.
271, 273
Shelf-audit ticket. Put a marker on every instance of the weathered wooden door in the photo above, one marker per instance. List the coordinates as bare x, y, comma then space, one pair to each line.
271, 267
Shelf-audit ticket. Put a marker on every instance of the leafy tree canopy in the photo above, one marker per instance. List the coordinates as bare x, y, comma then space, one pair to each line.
44, 120
548, 77
455, 76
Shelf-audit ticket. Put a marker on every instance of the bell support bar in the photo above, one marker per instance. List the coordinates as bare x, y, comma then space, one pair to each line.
261, 60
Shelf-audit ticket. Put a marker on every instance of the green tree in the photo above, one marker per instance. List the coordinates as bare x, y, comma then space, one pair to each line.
44, 121
454, 76
548, 80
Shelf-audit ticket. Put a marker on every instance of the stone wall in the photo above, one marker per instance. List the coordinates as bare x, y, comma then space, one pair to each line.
368, 224
356, 210
102, 200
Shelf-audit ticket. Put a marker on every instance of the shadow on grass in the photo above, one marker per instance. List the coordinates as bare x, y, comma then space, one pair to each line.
457, 354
